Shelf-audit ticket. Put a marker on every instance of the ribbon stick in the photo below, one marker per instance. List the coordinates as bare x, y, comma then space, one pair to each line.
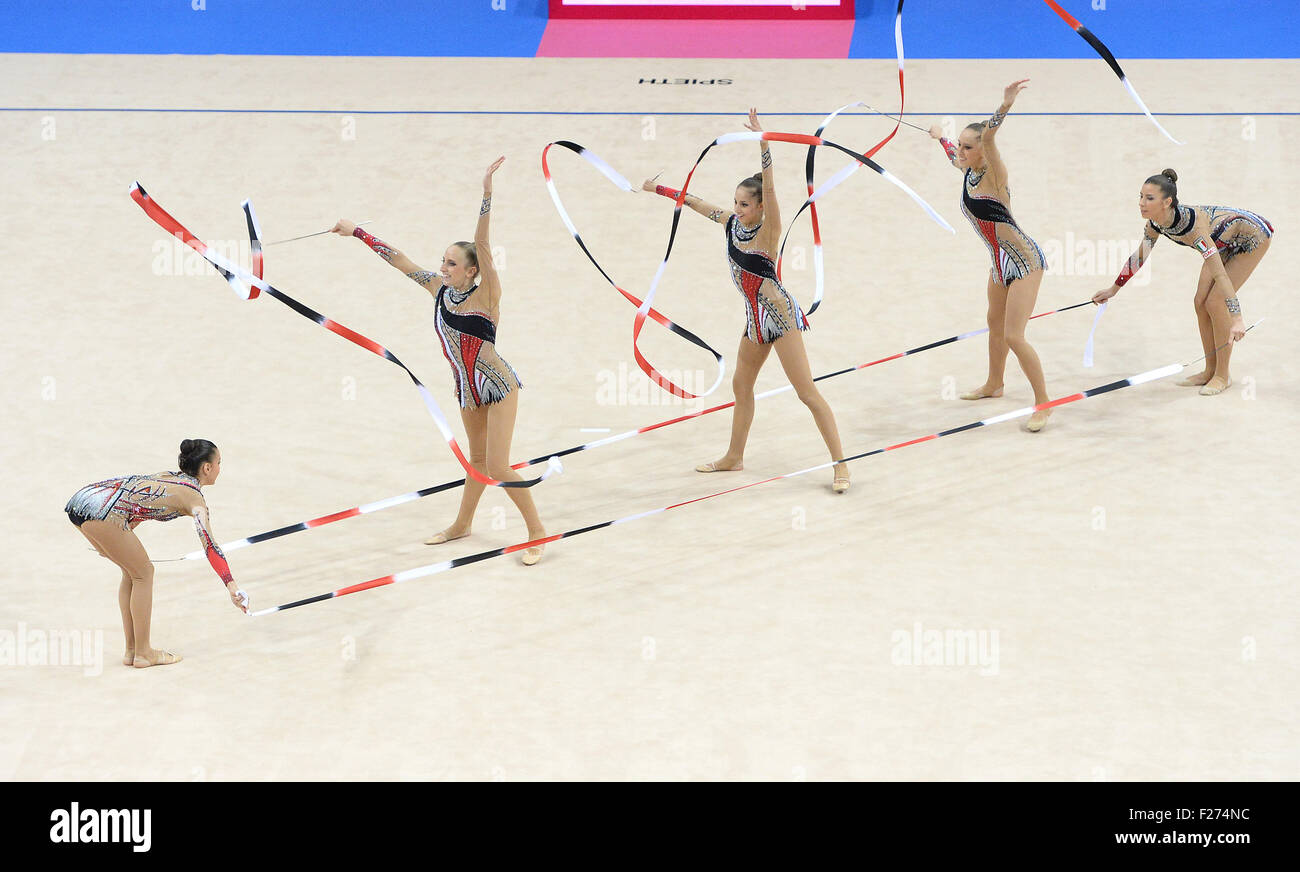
317, 233
243, 282
402, 499
1100, 47
447, 565
898, 118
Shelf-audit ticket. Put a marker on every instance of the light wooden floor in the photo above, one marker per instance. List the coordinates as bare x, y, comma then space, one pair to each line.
1136, 560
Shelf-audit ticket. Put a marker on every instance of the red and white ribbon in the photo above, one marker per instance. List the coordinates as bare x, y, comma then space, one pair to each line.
402, 499
814, 193
645, 309
619, 181
447, 565
245, 284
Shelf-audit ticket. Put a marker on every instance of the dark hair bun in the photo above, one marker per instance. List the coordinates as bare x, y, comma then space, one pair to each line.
1169, 174
758, 177
194, 453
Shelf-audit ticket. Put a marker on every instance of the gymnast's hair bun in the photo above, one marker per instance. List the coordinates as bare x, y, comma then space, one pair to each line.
1169, 174
194, 453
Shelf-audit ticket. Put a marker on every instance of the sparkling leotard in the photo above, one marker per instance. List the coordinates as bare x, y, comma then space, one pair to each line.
468, 338
135, 498
1015, 255
129, 499
1233, 231
770, 312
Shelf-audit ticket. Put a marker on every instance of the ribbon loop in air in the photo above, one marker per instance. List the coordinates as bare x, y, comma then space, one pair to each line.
622, 183
644, 308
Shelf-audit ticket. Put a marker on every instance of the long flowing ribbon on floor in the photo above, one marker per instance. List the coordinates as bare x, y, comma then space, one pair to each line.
810, 162
400, 499
246, 284
447, 565
1100, 48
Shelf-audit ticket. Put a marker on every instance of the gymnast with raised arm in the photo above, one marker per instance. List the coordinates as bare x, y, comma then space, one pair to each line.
1018, 262
772, 318
467, 310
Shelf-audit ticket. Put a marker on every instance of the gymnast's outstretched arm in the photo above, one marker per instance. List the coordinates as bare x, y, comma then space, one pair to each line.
387, 252
708, 210
1149, 238
215, 556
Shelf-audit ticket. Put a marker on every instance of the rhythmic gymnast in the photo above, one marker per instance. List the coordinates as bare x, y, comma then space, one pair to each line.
107, 513
1018, 262
1232, 242
466, 315
773, 318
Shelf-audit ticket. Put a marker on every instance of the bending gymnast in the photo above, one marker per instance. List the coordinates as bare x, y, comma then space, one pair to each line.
107, 513
1232, 242
1018, 262
466, 315
773, 318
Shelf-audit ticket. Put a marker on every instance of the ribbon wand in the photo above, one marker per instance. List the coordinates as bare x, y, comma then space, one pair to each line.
898, 118
318, 233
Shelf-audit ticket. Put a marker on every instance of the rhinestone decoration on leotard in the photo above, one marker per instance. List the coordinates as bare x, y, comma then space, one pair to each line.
130, 498
742, 234
456, 296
